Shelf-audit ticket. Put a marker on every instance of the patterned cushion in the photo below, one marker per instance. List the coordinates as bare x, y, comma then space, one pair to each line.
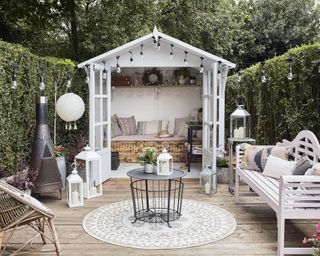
255, 157
115, 129
302, 165
149, 127
128, 125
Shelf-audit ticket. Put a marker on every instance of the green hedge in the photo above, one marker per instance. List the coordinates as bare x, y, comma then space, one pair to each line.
17, 107
280, 108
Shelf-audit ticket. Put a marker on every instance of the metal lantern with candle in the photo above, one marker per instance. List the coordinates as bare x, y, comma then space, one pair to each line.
240, 123
164, 163
74, 189
208, 181
88, 163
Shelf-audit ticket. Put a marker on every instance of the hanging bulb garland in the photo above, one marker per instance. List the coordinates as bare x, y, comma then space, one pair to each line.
171, 52
201, 64
158, 43
42, 86
154, 42
141, 51
131, 58
219, 69
185, 58
290, 74
239, 77
87, 70
104, 72
263, 74
318, 51
14, 76
118, 66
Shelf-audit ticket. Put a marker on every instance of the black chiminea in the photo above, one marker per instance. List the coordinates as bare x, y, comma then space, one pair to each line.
43, 158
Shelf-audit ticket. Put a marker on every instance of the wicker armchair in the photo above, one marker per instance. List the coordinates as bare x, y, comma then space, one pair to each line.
18, 210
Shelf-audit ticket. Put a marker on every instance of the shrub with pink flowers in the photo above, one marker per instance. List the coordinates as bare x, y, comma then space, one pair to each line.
314, 240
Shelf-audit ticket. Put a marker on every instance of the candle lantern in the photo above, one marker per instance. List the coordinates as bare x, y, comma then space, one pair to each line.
88, 164
164, 163
240, 123
208, 181
74, 189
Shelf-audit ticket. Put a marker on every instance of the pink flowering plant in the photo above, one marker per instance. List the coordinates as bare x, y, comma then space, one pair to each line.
314, 240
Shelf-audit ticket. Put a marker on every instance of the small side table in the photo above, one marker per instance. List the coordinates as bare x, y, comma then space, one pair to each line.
156, 198
231, 143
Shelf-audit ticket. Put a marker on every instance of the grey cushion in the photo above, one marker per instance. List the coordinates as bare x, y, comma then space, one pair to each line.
128, 125
115, 129
302, 165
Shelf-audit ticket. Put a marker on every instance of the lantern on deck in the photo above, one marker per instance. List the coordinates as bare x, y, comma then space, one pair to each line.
240, 123
70, 108
164, 163
88, 163
208, 181
74, 189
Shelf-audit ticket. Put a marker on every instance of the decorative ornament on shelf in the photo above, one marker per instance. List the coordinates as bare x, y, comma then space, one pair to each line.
208, 181
88, 163
164, 163
70, 106
74, 189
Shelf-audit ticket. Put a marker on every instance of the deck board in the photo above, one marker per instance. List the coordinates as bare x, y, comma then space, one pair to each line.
256, 232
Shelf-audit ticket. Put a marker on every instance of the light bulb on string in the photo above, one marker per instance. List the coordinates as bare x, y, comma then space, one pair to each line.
154, 42
118, 66
158, 43
290, 75
131, 58
104, 72
171, 52
68, 77
14, 77
319, 67
201, 64
42, 85
318, 52
141, 51
239, 78
263, 77
86, 68
185, 58
219, 70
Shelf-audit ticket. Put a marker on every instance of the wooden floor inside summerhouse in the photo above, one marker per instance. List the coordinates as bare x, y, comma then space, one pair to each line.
256, 232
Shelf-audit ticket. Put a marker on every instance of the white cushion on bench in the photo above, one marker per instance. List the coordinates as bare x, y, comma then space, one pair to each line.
276, 167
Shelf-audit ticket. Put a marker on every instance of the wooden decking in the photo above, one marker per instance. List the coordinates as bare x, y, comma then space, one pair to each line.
256, 232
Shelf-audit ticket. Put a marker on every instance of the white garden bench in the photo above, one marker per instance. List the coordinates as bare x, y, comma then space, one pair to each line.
291, 197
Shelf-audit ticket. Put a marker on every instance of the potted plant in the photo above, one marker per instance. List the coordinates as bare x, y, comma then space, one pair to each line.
59, 152
222, 170
315, 241
24, 180
148, 159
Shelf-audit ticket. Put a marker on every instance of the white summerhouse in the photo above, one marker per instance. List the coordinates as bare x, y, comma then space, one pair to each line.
214, 77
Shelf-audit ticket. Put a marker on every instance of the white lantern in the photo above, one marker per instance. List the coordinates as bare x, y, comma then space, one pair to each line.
164, 163
70, 107
240, 123
74, 189
88, 163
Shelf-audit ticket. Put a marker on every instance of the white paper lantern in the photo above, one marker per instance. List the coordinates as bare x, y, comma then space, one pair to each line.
70, 107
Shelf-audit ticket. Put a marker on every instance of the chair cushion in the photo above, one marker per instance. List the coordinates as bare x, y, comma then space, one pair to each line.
149, 127
128, 125
276, 167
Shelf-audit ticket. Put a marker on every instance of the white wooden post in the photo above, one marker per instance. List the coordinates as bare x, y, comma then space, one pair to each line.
214, 116
222, 93
91, 107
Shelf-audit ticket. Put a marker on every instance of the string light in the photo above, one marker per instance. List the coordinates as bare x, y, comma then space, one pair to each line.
42, 86
154, 42
263, 74
86, 68
239, 77
14, 76
171, 52
68, 77
141, 51
185, 58
118, 66
290, 74
131, 58
219, 69
201, 64
104, 72
158, 44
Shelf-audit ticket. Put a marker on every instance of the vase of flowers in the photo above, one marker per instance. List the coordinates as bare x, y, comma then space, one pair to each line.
148, 159
314, 240
59, 152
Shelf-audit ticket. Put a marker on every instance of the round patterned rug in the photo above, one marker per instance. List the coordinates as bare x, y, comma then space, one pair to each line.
200, 224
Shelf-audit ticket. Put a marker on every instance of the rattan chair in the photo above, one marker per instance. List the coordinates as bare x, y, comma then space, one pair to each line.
18, 210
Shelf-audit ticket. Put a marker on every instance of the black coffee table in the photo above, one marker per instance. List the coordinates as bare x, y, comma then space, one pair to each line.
156, 198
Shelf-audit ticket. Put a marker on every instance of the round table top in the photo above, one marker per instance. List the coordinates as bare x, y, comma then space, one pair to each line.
140, 174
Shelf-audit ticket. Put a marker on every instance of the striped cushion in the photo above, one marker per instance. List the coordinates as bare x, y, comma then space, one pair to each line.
149, 127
